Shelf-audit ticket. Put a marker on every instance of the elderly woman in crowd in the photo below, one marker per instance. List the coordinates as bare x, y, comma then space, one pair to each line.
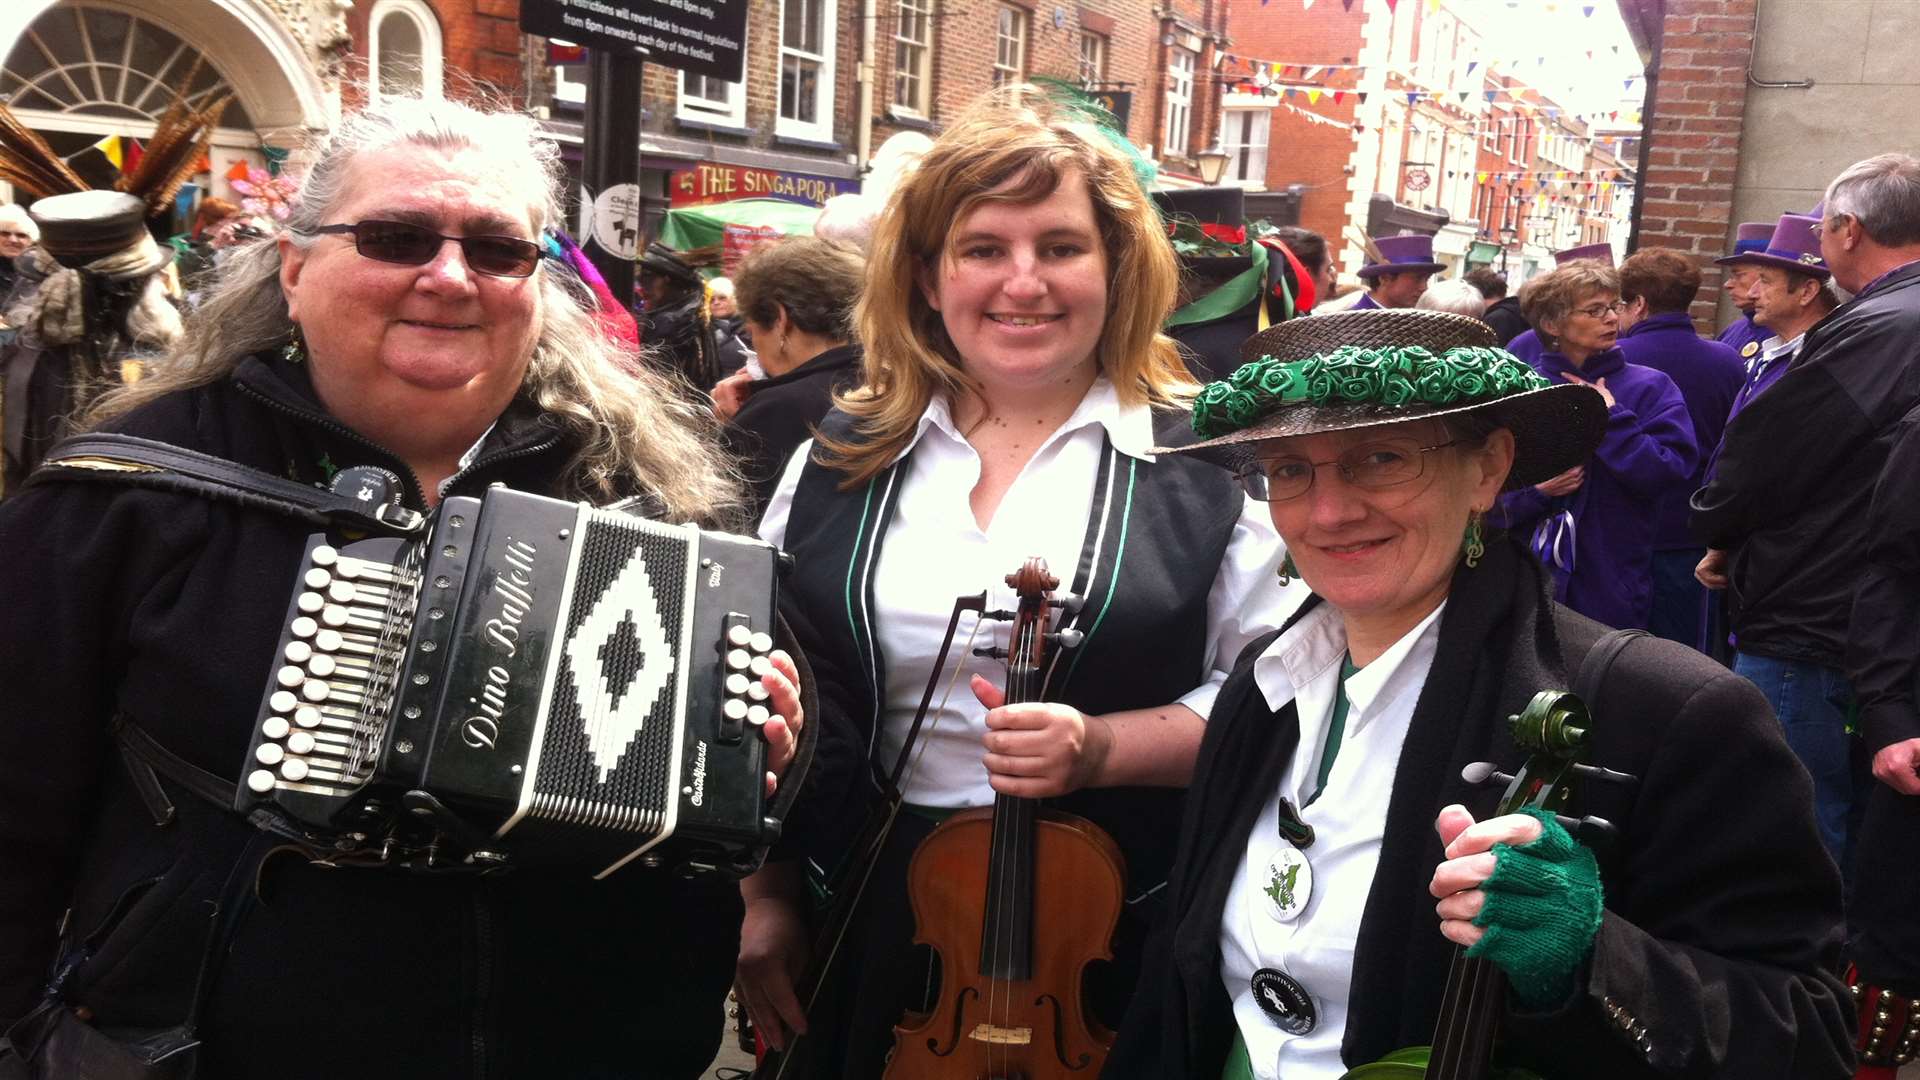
797, 298
1592, 524
1454, 295
404, 321
17, 234
1328, 811
1014, 375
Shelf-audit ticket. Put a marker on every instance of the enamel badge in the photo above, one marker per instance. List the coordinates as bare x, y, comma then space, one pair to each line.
1285, 1001
1289, 883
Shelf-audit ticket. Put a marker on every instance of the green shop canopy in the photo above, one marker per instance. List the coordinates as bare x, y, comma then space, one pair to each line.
690, 227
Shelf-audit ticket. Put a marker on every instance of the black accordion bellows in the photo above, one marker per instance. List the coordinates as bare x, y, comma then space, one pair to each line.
536, 682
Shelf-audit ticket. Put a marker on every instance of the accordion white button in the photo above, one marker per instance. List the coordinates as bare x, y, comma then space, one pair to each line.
757, 692
318, 579
737, 684
342, 591
757, 715
321, 665
311, 602
307, 716
329, 640
304, 627
737, 659
735, 709
761, 642
314, 690
290, 676
300, 742
298, 652
739, 635
294, 769
333, 614
274, 727
260, 780
760, 666
283, 701
268, 753
323, 556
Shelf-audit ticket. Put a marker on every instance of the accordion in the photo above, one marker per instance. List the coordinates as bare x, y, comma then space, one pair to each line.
534, 682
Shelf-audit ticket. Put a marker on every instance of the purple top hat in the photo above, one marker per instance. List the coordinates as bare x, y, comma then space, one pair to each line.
1752, 236
1410, 253
1602, 252
1793, 245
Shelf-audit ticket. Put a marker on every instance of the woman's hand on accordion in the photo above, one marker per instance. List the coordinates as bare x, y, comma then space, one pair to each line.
783, 730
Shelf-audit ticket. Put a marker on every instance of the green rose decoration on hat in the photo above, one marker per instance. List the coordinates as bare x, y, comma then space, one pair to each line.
1352, 375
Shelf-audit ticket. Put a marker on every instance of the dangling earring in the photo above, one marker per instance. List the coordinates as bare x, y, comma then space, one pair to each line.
295, 350
1474, 547
1287, 570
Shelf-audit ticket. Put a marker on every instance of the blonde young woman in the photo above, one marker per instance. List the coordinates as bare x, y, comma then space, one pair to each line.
1014, 381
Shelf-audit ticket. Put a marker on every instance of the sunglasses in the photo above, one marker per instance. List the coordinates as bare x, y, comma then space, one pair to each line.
403, 244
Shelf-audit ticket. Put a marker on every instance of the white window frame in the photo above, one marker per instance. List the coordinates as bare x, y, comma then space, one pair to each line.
1254, 124
919, 73
821, 128
728, 111
1094, 51
1010, 25
1518, 151
432, 46
1490, 138
1181, 65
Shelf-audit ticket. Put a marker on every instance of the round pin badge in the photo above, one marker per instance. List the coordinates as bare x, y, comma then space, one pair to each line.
1285, 1001
1750, 348
1288, 884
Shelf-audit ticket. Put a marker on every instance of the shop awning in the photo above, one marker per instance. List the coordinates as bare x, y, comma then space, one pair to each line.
692, 227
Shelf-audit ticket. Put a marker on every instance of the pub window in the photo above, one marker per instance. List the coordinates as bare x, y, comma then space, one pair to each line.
712, 100
1009, 46
806, 69
913, 58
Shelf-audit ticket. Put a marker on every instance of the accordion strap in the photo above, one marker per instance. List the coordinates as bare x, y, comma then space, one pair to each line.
127, 459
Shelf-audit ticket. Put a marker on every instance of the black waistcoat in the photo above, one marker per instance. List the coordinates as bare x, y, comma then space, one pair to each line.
1155, 539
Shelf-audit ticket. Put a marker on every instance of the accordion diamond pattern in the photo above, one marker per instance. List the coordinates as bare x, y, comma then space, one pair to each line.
610, 733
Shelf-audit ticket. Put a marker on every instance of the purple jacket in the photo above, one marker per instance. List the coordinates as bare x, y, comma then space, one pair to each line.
1709, 376
1741, 332
1528, 347
1604, 570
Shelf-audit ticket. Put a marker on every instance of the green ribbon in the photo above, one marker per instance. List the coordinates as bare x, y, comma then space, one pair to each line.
1238, 291
1352, 375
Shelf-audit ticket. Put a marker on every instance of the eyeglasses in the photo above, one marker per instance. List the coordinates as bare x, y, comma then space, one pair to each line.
7, 234
1601, 311
1369, 467
416, 245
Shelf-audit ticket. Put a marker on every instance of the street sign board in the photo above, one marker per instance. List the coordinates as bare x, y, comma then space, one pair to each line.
704, 37
709, 182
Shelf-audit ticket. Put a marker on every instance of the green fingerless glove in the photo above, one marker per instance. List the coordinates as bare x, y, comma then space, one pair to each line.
1541, 914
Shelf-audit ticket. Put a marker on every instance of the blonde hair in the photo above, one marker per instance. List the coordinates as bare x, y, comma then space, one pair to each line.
632, 425
1014, 145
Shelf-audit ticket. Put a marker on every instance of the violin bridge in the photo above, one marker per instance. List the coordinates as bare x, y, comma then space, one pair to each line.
995, 1035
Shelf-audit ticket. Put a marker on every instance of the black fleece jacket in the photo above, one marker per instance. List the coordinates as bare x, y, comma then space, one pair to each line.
164, 609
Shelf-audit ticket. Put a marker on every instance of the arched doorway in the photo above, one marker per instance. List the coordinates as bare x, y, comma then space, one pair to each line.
81, 72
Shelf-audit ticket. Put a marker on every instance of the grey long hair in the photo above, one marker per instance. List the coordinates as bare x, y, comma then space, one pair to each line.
635, 427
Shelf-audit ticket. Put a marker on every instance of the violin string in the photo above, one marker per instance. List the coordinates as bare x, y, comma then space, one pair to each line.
1444, 1040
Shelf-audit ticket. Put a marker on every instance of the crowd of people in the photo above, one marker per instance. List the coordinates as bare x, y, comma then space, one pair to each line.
1314, 549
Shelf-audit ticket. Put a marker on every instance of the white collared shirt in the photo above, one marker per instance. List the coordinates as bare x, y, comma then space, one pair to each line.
1348, 819
935, 552
1773, 348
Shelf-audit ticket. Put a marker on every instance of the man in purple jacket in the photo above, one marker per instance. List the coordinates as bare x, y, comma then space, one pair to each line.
1659, 284
1743, 335
1592, 525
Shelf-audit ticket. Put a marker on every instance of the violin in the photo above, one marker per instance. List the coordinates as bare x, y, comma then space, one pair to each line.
1553, 729
1017, 901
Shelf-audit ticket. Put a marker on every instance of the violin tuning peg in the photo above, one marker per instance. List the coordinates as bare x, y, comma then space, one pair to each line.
1069, 603
1068, 638
999, 615
994, 653
1485, 774
1604, 776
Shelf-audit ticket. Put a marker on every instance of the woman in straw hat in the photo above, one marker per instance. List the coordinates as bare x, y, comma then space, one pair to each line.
1328, 813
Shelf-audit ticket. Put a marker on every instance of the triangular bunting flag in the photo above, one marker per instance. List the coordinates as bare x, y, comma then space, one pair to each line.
1413, 96
1361, 95
1393, 5
1483, 178
1587, 10
237, 171
1491, 94
1348, 4
109, 147
1313, 96
1464, 94
1339, 96
1471, 64
1306, 5
134, 152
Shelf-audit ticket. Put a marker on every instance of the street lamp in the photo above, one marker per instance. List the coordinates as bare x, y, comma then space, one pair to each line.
1212, 162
